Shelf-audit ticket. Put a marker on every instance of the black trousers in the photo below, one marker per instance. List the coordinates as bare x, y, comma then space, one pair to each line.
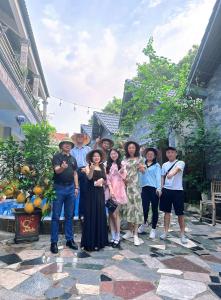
148, 196
83, 182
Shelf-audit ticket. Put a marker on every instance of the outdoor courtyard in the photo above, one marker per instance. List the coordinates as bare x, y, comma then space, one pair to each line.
155, 270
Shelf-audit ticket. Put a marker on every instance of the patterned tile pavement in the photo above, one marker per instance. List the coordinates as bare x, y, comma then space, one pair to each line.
155, 270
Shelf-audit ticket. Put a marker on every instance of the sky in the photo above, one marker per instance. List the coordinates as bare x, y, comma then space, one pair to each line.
89, 47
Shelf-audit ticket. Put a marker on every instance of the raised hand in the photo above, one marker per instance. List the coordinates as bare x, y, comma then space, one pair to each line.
64, 165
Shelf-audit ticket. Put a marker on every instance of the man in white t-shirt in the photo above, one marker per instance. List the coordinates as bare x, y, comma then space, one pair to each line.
172, 192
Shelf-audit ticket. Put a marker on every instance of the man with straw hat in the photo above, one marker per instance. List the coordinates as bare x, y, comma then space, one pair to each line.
79, 152
66, 189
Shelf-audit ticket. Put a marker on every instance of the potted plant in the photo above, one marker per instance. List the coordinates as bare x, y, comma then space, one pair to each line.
26, 175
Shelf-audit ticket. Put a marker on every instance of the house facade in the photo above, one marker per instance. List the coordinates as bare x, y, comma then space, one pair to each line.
205, 78
23, 89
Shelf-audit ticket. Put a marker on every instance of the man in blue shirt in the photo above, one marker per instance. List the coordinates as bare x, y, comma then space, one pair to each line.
79, 152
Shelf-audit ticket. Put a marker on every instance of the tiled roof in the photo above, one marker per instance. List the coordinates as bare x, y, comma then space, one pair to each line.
59, 136
109, 121
86, 129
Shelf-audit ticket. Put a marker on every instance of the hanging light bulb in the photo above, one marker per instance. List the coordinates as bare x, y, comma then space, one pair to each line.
88, 110
60, 103
75, 107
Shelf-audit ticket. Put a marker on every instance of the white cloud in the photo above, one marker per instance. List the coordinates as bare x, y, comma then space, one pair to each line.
154, 3
174, 38
89, 67
83, 71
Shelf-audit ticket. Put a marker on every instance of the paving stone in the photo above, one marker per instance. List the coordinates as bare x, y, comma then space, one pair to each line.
105, 278
9, 278
139, 270
107, 287
30, 254
83, 254
215, 279
86, 276
152, 263
129, 254
14, 267
87, 289
198, 261
30, 270
202, 277
131, 290
183, 264
149, 295
119, 274
206, 296
89, 266
216, 289
54, 293
33, 262
170, 271
67, 253
211, 258
59, 276
176, 288
9, 295
50, 269
161, 247
189, 243
35, 285
10, 259
215, 267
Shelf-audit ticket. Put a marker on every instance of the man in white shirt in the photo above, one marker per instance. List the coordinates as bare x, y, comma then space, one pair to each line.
172, 193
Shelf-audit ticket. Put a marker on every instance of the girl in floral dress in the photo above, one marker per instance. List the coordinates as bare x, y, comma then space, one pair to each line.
116, 174
133, 209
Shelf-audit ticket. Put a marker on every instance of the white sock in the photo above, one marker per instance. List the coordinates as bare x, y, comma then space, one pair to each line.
117, 236
113, 235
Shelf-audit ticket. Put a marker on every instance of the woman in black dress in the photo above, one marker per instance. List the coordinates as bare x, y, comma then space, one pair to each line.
95, 234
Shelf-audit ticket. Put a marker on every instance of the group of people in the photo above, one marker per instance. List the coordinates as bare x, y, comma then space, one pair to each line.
120, 185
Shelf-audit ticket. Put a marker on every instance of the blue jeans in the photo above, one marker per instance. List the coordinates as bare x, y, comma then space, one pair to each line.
64, 195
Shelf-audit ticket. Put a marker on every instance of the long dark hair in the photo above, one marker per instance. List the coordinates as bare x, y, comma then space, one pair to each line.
110, 160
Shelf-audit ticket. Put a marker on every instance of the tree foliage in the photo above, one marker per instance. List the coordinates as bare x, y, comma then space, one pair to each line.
159, 94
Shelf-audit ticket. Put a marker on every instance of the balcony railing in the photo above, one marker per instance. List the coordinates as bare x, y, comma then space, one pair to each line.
10, 58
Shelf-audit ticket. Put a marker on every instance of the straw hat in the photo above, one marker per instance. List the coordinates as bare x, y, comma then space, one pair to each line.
66, 141
85, 136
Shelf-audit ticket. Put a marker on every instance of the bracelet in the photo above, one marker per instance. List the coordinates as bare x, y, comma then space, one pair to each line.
76, 188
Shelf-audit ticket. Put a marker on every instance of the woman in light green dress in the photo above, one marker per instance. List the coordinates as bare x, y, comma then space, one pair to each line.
133, 209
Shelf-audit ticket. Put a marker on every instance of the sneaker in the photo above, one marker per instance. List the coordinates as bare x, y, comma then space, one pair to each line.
128, 235
163, 236
142, 228
152, 234
136, 240
183, 239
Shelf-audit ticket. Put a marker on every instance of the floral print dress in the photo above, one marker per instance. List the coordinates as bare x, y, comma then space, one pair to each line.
133, 210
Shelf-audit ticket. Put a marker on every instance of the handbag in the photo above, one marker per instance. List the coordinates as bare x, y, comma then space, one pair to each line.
111, 205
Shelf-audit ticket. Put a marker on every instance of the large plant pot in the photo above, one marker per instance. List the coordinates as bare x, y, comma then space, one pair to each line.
27, 226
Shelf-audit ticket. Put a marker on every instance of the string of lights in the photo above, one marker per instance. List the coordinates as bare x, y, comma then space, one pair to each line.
75, 105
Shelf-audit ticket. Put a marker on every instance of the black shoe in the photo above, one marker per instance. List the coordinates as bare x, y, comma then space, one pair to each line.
71, 244
54, 248
116, 244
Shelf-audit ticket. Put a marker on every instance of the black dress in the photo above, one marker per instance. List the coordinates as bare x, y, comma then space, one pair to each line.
95, 234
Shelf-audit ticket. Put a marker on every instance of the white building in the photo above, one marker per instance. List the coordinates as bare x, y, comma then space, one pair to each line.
23, 90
